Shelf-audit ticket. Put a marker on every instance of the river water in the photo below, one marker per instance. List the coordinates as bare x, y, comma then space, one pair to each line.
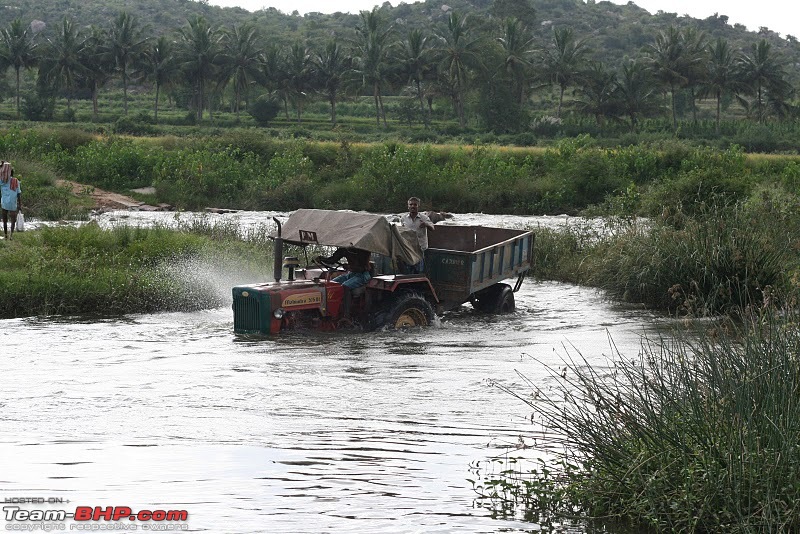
307, 432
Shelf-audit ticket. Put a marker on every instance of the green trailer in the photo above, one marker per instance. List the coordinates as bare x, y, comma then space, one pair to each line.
470, 263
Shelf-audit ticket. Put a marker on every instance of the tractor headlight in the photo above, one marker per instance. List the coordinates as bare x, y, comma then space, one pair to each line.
279, 313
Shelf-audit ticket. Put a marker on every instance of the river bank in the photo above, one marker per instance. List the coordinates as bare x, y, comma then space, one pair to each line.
249, 171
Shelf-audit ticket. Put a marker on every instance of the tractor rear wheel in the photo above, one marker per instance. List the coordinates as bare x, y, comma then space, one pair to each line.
408, 309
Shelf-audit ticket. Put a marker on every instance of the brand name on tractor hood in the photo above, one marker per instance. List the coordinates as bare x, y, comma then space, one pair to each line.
302, 299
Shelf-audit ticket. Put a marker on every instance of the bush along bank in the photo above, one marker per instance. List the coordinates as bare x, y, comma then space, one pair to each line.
719, 228
247, 170
715, 258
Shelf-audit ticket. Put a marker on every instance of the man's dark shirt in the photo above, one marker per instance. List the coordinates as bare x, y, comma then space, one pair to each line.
357, 259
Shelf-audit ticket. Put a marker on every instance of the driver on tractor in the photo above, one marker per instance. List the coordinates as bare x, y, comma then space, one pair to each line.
358, 271
357, 266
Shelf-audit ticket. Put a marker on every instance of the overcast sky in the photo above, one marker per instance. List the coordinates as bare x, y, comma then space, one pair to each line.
782, 16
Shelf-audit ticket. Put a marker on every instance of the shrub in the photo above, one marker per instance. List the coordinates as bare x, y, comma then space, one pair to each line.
704, 177
138, 125
71, 138
70, 115
194, 179
37, 108
114, 163
391, 173
245, 141
66, 270
545, 126
721, 259
757, 138
264, 109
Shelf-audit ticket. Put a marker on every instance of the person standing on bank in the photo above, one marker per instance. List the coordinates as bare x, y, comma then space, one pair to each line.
420, 223
11, 193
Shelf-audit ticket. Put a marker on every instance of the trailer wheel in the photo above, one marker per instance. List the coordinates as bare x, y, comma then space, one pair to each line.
505, 302
409, 309
498, 298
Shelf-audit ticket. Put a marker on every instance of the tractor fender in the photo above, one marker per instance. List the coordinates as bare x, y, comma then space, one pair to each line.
394, 283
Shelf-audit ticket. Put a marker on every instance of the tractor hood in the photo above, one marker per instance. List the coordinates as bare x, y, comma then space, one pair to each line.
352, 229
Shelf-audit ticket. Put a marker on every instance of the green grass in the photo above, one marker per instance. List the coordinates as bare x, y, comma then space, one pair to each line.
721, 259
66, 270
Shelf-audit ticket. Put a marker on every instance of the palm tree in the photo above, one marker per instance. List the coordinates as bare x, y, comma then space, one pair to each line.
414, 57
159, 67
61, 64
597, 93
298, 76
126, 45
199, 58
329, 67
765, 76
17, 50
670, 60
274, 75
563, 61
459, 51
371, 58
721, 75
241, 60
695, 53
518, 51
97, 68
636, 91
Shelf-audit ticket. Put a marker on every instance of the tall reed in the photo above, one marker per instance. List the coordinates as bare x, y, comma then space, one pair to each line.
722, 258
699, 433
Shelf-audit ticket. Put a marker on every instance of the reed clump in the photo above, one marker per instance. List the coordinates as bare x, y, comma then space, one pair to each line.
719, 257
723, 258
699, 433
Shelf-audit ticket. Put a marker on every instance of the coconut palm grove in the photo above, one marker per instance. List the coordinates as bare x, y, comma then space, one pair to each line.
481, 71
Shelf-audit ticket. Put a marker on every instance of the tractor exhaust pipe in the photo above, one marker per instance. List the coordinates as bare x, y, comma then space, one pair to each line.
278, 253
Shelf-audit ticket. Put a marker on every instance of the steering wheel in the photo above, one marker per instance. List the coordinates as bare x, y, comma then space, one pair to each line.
328, 265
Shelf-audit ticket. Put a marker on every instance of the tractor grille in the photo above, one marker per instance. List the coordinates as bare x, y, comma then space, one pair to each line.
246, 314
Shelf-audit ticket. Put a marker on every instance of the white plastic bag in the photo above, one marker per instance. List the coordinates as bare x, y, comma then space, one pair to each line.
20, 222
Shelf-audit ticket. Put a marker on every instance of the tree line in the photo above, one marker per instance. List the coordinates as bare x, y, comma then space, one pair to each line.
490, 69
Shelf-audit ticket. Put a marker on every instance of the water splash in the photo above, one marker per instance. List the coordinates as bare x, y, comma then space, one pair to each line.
206, 282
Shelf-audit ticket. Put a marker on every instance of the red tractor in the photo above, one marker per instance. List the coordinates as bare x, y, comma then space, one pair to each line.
463, 264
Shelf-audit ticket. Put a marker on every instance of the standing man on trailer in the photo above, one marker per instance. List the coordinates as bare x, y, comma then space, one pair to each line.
420, 223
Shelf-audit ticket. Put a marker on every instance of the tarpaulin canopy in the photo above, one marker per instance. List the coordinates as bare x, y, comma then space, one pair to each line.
351, 229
